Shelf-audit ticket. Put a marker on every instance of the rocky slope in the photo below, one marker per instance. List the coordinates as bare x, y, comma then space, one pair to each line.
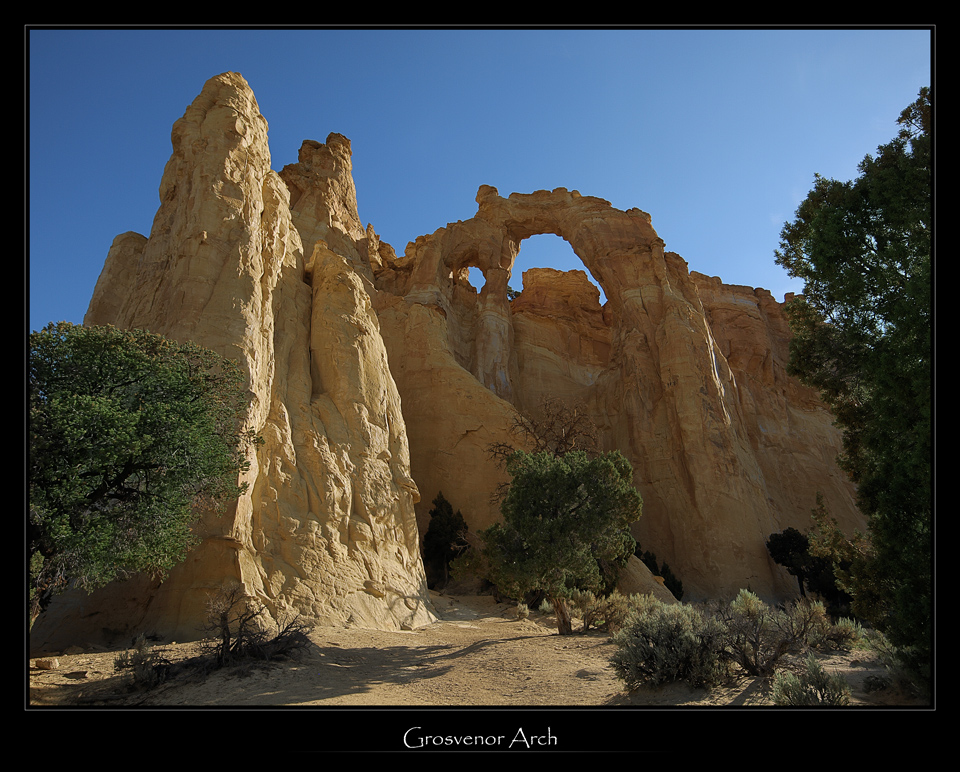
378, 380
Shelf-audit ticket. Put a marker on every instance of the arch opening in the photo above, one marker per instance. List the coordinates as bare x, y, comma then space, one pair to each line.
547, 250
476, 278
466, 273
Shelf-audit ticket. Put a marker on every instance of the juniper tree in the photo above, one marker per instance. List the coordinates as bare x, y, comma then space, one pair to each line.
131, 437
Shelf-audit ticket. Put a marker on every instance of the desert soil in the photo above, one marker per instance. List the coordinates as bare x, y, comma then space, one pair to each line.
478, 654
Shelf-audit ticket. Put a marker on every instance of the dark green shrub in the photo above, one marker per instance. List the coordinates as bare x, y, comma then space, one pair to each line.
791, 549
443, 541
670, 581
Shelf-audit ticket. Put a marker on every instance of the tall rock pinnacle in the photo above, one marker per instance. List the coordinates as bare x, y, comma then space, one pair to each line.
327, 529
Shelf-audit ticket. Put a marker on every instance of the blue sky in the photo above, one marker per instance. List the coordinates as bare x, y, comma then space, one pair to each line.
717, 133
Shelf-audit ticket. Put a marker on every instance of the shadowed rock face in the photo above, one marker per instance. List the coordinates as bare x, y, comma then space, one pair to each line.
683, 374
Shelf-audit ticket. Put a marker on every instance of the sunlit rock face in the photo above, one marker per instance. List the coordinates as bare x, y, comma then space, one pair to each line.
377, 381
327, 529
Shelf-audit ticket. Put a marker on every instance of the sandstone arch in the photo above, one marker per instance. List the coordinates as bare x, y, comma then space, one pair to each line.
651, 365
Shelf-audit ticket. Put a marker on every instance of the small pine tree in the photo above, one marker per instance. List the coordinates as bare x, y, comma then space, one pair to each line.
564, 519
814, 572
440, 542
789, 548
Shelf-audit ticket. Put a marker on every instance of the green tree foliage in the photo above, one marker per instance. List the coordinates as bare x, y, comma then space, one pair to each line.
862, 336
563, 518
852, 563
442, 541
791, 549
132, 436
555, 427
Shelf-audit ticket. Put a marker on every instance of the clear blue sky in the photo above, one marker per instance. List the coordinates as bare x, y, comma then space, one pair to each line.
716, 133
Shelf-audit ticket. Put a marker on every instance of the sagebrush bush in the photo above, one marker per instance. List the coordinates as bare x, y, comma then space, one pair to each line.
661, 643
614, 612
148, 666
599, 612
758, 636
704, 645
443, 541
814, 686
842, 634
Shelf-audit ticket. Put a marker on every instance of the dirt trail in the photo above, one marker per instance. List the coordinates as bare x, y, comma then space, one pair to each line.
479, 654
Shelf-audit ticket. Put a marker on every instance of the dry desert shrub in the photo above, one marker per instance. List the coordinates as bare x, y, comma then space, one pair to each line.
148, 666
662, 643
703, 646
239, 630
813, 686
606, 613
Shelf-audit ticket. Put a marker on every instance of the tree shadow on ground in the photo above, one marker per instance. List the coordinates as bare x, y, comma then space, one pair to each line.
329, 672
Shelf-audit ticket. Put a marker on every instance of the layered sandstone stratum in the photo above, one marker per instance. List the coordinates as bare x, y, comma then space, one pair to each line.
378, 380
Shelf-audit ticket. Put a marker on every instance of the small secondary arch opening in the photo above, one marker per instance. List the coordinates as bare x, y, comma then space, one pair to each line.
466, 273
476, 278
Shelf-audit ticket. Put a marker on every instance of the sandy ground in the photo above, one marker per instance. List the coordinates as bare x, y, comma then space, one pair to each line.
478, 655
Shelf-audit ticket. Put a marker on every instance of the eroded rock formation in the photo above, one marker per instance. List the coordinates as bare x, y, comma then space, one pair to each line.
681, 373
327, 528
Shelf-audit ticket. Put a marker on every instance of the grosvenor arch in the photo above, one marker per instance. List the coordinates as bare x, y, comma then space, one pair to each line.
606, 239
378, 380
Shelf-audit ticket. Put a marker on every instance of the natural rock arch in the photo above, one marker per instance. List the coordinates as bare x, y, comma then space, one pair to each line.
659, 381
378, 380
597, 232
611, 243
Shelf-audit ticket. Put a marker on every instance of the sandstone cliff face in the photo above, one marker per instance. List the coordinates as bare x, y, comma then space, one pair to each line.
683, 374
327, 528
